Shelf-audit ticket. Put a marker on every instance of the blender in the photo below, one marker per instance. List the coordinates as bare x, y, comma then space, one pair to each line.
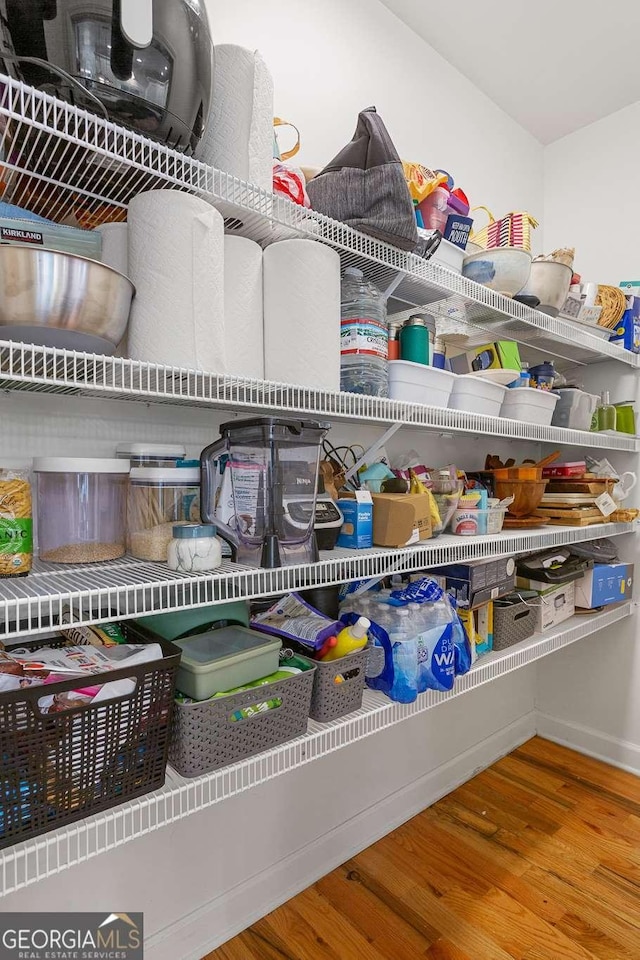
259, 484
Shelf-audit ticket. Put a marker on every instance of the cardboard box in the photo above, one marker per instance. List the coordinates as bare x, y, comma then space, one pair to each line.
555, 606
627, 330
357, 529
479, 628
491, 356
605, 583
400, 519
474, 584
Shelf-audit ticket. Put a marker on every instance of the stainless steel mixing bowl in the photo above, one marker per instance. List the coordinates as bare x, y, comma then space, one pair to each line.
61, 300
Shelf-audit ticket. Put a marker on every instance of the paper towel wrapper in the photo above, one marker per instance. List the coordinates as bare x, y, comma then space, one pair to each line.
243, 307
115, 246
302, 314
115, 253
238, 137
176, 261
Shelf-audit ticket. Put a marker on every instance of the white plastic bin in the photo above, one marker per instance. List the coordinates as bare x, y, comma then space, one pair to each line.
474, 523
477, 395
530, 404
81, 509
418, 383
574, 408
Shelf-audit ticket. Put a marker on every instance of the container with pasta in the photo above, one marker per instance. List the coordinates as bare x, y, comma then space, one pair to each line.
16, 524
158, 499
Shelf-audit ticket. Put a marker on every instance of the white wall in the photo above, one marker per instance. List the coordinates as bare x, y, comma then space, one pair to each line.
592, 196
587, 693
330, 58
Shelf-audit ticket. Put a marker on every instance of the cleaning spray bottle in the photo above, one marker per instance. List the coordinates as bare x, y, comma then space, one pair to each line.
350, 640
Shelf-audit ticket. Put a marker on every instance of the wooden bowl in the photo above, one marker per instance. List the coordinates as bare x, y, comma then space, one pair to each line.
527, 493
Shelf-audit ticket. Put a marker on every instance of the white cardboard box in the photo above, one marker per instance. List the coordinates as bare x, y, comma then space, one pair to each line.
555, 606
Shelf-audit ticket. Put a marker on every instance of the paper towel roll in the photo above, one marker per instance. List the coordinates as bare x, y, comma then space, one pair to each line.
302, 314
176, 261
243, 307
238, 137
115, 246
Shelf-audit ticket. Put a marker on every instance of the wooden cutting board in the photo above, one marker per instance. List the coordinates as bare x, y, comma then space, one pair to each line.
593, 487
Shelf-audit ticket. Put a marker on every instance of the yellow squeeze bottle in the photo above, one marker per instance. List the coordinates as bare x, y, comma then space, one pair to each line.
350, 640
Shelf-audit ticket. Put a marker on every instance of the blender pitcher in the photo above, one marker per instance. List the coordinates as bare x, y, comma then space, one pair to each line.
259, 485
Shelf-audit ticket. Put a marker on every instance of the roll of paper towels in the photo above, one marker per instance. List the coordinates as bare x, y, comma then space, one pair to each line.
176, 261
238, 137
302, 314
115, 246
243, 314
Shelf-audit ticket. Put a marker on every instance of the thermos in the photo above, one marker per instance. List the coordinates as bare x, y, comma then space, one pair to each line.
416, 338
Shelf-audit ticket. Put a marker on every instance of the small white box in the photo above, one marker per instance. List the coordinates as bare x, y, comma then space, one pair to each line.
555, 606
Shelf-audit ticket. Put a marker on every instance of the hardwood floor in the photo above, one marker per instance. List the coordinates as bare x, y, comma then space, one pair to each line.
536, 858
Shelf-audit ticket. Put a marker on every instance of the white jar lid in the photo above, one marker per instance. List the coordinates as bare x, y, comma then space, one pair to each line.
179, 476
168, 450
79, 465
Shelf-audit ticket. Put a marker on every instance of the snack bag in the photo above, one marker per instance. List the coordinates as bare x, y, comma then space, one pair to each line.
16, 524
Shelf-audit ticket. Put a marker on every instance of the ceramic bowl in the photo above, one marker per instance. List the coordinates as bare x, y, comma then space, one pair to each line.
505, 269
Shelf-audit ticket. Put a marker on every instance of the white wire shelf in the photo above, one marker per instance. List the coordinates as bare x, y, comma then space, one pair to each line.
46, 856
69, 165
128, 588
26, 367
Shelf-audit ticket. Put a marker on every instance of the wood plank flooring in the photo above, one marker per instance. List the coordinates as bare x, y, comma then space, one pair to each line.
536, 858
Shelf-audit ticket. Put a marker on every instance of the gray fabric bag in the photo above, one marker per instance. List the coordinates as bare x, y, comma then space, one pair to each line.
365, 187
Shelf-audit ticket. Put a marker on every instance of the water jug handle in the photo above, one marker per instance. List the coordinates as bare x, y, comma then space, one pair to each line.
208, 458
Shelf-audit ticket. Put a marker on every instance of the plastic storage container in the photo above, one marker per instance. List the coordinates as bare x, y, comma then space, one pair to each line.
210, 735
574, 408
447, 254
338, 686
477, 395
158, 499
61, 767
530, 404
81, 509
223, 659
513, 622
474, 523
364, 336
415, 383
151, 454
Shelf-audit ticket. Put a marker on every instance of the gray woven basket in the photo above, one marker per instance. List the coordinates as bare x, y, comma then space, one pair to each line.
512, 624
331, 700
204, 736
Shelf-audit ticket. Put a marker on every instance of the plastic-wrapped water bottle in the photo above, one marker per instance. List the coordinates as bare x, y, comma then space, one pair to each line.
364, 337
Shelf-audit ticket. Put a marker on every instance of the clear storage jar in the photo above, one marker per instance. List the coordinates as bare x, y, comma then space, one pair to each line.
158, 499
151, 454
80, 509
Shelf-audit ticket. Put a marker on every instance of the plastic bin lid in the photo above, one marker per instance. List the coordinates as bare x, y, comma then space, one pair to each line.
79, 465
228, 643
168, 450
180, 476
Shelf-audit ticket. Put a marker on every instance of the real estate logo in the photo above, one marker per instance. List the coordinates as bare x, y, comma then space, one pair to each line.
71, 936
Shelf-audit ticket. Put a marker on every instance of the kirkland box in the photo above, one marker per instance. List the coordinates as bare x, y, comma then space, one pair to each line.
473, 584
605, 583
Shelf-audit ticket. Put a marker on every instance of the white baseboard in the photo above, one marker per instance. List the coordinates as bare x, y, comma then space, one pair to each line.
593, 743
195, 935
